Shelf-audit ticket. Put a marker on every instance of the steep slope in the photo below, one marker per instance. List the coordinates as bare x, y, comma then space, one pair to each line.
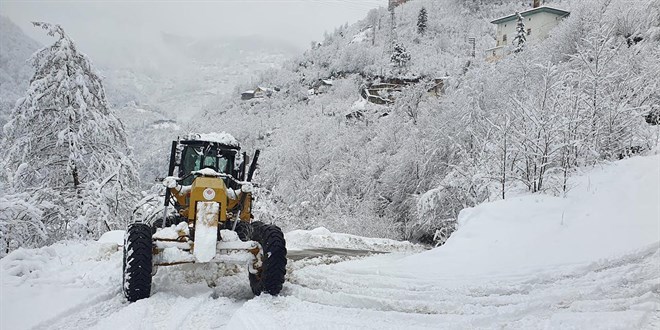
329, 152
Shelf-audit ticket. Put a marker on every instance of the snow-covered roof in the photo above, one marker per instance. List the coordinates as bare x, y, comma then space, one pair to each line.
222, 138
532, 11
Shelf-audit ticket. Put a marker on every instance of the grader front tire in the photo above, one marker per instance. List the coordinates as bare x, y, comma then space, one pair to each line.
137, 262
270, 277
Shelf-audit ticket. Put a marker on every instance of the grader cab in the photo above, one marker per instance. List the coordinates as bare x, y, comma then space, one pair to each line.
207, 217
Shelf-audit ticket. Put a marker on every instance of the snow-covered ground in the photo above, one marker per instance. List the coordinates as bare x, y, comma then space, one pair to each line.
590, 260
321, 238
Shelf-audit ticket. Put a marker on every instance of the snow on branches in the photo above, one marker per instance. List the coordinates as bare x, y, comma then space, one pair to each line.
400, 56
65, 146
422, 21
521, 35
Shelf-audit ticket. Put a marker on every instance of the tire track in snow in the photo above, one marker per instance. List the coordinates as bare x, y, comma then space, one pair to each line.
611, 286
85, 315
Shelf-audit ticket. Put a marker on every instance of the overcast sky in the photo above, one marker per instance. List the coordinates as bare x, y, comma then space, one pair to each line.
295, 21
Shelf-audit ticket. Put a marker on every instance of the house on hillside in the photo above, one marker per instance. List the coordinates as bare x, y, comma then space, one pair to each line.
538, 22
258, 93
320, 86
383, 90
438, 87
247, 95
168, 124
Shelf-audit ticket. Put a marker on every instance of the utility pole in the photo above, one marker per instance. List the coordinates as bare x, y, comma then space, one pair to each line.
392, 25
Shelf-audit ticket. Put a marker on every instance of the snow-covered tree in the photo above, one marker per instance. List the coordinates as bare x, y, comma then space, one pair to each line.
408, 101
400, 56
422, 21
521, 35
66, 149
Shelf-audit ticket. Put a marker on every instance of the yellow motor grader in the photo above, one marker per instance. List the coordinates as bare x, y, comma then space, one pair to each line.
207, 218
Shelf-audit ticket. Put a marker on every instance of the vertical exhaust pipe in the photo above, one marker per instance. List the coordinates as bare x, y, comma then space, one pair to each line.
170, 172
253, 167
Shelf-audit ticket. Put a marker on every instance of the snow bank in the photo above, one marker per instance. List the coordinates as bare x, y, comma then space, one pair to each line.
609, 212
38, 285
113, 236
587, 261
323, 238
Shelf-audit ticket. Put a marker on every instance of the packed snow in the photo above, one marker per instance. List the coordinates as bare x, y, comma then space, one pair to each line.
113, 237
206, 230
207, 172
589, 260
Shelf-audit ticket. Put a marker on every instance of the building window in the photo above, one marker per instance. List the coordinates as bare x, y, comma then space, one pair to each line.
529, 32
504, 38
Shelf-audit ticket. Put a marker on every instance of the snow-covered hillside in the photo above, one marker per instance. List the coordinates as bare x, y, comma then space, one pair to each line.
15, 73
589, 260
524, 123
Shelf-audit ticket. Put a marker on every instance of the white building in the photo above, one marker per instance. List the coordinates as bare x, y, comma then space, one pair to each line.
538, 23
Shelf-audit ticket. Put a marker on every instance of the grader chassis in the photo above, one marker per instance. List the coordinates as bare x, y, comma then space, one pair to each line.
207, 218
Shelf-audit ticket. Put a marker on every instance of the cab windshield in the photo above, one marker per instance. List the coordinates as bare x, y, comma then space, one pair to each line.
195, 158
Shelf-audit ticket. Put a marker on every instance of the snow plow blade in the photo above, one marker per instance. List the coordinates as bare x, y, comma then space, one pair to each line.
206, 231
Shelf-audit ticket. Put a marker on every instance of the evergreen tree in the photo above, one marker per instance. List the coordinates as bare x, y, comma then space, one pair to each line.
521, 35
422, 20
400, 56
66, 149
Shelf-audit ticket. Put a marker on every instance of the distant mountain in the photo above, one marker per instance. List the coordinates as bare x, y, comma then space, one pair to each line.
179, 75
227, 48
15, 73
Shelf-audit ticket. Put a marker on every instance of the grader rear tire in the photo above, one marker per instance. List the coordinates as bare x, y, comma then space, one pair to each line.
137, 262
270, 277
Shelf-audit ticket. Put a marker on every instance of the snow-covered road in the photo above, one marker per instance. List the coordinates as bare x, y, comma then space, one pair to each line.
61, 289
587, 261
76, 285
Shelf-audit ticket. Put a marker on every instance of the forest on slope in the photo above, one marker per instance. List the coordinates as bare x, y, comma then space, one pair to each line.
522, 124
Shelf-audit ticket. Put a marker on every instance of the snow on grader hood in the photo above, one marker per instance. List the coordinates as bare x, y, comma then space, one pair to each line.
207, 217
